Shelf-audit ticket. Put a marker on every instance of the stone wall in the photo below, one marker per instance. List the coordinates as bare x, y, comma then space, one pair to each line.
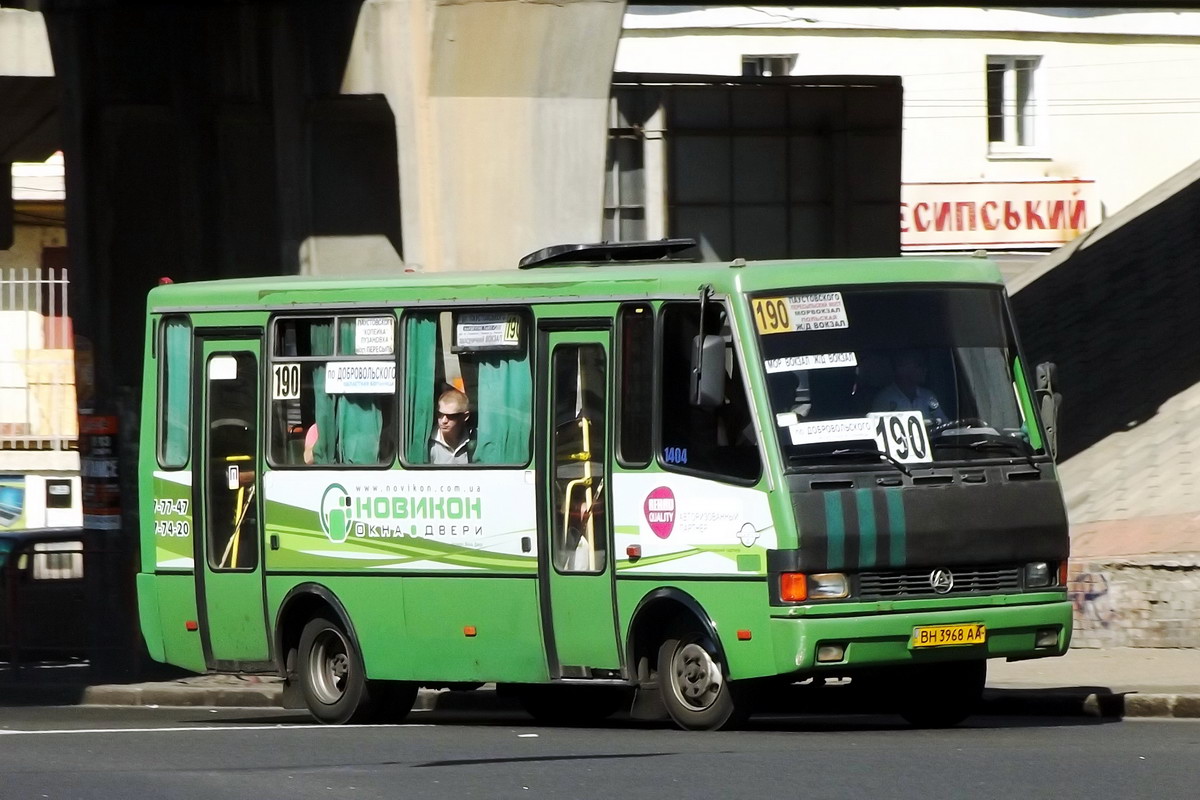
1147, 601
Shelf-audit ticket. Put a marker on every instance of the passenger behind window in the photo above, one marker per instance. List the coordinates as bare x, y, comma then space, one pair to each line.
450, 442
310, 443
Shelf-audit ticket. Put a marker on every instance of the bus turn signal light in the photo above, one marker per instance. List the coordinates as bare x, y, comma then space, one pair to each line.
191, 625
469, 630
793, 587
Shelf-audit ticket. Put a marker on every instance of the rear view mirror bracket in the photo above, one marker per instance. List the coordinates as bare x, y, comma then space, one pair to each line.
1049, 401
707, 372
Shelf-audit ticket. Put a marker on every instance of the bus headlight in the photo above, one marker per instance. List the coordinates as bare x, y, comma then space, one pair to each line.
828, 586
796, 587
1037, 575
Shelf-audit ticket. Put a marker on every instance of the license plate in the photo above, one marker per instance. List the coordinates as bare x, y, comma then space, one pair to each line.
949, 635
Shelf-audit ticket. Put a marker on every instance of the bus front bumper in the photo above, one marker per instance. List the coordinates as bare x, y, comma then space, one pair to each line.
808, 644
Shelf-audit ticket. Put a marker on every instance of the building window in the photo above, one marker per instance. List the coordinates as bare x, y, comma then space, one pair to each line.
767, 66
624, 172
1012, 103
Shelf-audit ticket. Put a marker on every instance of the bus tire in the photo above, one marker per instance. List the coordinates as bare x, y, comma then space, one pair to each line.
693, 685
942, 695
332, 678
393, 700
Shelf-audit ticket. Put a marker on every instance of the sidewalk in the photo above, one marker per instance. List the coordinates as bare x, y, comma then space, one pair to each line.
1113, 682
1118, 682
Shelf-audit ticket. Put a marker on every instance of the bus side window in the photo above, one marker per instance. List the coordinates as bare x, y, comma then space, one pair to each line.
175, 393
332, 383
468, 388
718, 441
635, 384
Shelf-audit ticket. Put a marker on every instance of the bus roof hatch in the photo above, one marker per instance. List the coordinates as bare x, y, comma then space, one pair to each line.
602, 252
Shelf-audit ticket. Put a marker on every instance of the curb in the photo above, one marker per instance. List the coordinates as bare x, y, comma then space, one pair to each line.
1100, 704
246, 697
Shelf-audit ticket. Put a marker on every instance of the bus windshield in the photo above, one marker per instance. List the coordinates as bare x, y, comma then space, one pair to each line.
906, 376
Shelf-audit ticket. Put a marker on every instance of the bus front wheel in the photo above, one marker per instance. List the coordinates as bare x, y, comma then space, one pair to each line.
693, 685
332, 677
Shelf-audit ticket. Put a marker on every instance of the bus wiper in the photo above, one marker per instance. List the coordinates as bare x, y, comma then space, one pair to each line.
862, 451
994, 444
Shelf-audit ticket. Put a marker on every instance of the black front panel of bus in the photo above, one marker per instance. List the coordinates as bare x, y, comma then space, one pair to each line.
849, 522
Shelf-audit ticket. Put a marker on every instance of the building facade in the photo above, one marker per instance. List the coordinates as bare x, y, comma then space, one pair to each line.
39, 459
1021, 128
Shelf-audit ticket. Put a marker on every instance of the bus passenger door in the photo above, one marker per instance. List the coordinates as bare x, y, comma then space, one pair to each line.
229, 573
578, 601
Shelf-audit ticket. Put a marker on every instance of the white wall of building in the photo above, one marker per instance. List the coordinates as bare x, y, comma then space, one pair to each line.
28, 243
1119, 91
24, 46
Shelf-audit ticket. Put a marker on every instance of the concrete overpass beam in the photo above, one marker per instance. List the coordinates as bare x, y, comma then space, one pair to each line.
501, 115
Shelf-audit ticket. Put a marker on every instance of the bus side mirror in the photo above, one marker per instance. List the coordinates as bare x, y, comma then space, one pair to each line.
1049, 399
708, 372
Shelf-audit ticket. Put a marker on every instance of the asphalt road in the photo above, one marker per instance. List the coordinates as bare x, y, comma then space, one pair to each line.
135, 753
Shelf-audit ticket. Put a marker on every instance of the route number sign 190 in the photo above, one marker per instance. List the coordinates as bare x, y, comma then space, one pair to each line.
902, 436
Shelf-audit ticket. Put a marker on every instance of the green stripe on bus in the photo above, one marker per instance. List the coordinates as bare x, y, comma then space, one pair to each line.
895, 507
835, 531
866, 527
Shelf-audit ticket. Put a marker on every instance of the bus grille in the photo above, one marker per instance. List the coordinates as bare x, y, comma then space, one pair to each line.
916, 584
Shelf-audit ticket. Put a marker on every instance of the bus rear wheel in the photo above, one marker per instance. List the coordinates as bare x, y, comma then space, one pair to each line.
332, 678
694, 688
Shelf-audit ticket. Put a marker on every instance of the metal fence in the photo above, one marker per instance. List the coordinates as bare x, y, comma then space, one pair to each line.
37, 363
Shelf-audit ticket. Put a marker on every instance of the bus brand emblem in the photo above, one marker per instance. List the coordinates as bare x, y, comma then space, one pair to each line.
335, 505
660, 511
942, 580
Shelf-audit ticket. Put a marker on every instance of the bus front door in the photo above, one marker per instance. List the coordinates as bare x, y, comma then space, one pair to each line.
578, 605
229, 574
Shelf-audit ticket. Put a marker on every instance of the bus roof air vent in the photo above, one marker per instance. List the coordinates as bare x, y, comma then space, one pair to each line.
608, 252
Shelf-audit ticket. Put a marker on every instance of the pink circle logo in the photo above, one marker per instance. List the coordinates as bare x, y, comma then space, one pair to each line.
660, 511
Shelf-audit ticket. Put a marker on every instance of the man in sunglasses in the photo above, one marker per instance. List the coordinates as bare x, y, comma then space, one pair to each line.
448, 444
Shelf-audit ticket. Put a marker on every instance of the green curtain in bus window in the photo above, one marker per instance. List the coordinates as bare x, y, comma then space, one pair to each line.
503, 409
177, 342
420, 364
359, 418
321, 341
359, 424
345, 337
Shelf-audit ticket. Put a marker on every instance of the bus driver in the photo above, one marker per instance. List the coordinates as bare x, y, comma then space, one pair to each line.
908, 392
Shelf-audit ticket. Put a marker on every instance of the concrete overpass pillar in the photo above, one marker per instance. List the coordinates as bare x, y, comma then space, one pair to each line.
501, 120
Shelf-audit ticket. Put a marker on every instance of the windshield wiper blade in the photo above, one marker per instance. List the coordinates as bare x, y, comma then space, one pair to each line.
995, 444
862, 451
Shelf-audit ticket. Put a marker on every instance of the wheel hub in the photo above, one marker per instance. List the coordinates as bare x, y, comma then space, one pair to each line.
696, 678
329, 667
